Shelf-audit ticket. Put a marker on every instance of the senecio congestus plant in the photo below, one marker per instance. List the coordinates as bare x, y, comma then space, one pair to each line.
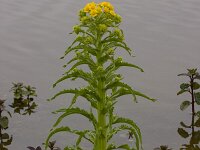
98, 37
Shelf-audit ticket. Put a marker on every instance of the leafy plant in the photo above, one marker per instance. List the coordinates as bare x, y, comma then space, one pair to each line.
162, 147
98, 37
23, 99
192, 88
51, 146
5, 139
32, 148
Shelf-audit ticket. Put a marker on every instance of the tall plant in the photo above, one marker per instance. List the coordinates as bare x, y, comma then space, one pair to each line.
192, 87
98, 37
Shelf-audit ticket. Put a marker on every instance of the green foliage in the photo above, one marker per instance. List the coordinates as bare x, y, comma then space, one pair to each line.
185, 105
5, 139
50, 145
191, 87
23, 99
197, 97
162, 147
183, 133
32, 148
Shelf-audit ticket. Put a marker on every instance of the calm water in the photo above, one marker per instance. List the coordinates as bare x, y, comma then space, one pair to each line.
164, 34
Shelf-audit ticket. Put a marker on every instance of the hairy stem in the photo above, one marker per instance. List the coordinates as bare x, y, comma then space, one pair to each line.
102, 129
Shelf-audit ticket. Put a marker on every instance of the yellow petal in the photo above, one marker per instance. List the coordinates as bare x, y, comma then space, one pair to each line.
106, 9
112, 13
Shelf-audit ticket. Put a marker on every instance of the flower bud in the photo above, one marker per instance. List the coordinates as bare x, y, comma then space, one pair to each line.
88, 40
119, 59
118, 79
82, 13
78, 54
110, 51
100, 69
103, 27
117, 32
77, 29
75, 70
85, 20
118, 18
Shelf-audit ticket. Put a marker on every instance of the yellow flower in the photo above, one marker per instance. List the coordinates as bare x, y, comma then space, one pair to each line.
98, 8
106, 9
95, 9
110, 7
112, 13
92, 5
86, 8
93, 13
105, 4
89, 7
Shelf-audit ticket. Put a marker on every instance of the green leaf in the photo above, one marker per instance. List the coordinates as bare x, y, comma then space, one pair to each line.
134, 129
184, 125
123, 127
5, 136
82, 134
197, 98
183, 133
184, 86
8, 142
192, 71
181, 92
198, 114
4, 122
126, 64
78, 111
71, 91
195, 85
53, 132
195, 137
123, 91
185, 105
184, 74
197, 123
125, 146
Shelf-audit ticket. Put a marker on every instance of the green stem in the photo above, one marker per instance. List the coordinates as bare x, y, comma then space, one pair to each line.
102, 129
101, 136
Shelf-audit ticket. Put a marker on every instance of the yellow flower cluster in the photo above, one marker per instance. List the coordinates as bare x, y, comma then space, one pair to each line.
95, 9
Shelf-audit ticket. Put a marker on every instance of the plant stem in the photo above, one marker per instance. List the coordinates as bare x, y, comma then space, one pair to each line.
102, 129
1, 128
101, 136
193, 108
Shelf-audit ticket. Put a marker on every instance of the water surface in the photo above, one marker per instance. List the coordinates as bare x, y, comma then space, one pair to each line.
164, 35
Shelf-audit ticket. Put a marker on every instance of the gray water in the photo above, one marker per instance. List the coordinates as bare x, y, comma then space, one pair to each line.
165, 37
